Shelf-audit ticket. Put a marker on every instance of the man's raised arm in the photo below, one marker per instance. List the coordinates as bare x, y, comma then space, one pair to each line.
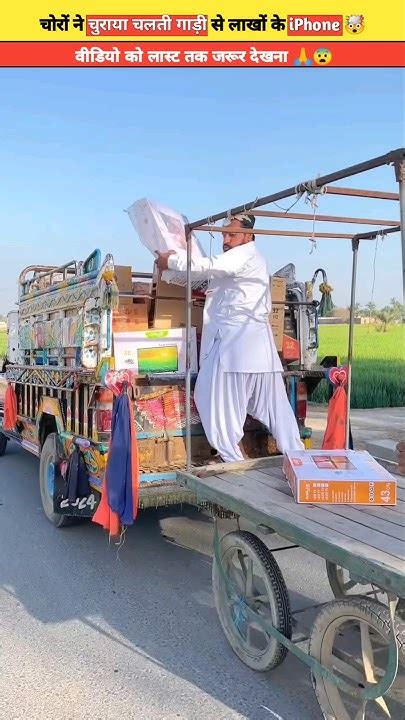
227, 264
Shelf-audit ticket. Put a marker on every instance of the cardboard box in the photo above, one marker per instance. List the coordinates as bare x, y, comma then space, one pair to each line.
129, 316
172, 314
169, 310
154, 351
291, 348
278, 338
278, 288
168, 290
338, 476
140, 287
123, 274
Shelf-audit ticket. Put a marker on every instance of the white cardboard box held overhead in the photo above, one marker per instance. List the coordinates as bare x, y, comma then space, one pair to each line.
149, 352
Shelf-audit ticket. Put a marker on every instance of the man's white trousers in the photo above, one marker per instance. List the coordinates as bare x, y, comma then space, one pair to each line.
223, 400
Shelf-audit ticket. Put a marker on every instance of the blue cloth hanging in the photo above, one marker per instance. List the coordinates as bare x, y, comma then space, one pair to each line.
119, 464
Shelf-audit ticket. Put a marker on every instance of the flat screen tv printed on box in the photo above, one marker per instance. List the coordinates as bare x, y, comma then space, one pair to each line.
158, 359
154, 351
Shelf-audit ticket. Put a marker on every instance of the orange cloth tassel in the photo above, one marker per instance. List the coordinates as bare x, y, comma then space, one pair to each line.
335, 433
10, 409
104, 516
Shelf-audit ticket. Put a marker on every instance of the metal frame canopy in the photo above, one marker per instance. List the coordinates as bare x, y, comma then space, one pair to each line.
395, 158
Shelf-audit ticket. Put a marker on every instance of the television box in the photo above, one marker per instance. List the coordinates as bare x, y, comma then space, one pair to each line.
278, 287
155, 351
338, 476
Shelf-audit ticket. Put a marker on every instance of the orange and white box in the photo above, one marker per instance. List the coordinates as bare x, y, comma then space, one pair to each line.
342, 477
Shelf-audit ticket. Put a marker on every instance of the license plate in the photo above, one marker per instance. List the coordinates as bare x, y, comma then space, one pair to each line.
80, 507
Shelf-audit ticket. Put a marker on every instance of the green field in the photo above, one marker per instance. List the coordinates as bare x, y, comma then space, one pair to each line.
3, 343
378, 366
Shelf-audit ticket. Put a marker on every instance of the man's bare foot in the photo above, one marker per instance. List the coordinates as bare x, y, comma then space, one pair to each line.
215, 460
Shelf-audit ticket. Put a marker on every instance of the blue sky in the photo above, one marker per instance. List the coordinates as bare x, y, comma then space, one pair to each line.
79, 146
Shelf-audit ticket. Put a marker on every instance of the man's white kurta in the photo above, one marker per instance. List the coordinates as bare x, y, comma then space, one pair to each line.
237, 308
240, 370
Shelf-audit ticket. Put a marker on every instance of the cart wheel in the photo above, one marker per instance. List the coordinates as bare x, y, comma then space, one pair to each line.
344, 584
46, 482
3, 443
251, 569
360, 658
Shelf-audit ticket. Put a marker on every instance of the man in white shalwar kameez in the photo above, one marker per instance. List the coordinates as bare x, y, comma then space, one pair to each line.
240, 370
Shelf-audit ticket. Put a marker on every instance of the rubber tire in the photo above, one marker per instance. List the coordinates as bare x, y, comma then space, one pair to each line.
277, 653
48, 453
3, 444
364, 609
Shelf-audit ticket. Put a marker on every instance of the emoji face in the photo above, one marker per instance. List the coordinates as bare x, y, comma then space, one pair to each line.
354, 24
322, 56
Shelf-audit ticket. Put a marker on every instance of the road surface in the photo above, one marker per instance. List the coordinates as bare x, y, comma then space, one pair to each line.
86, 635
89, 634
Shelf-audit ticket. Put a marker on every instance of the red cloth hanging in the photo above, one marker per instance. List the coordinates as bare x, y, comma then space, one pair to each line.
335, 433
10, 408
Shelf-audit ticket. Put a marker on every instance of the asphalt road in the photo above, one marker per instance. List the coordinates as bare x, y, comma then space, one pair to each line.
87, 634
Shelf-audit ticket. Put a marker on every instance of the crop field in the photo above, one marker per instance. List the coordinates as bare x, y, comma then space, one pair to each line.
3, 343
378, 368
378, 365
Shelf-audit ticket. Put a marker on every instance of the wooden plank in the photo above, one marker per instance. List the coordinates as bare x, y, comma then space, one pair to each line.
274, 472
221, 468
390, 513
382, 524
350, 512
372, 538
393, 514
400, 480
380, 568
400, 494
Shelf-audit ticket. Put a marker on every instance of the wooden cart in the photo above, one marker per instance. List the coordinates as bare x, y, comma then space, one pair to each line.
356, 650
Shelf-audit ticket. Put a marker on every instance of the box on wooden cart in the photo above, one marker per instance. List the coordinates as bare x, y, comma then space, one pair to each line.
338, 476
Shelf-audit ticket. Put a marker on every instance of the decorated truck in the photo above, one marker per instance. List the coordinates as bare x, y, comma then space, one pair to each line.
84, 328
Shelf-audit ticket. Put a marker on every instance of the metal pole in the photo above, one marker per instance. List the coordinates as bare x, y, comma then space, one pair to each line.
355, 249
376, 233
400, 175
387, 159
188, 351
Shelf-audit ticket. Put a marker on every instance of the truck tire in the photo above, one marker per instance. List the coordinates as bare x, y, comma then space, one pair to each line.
46, 481
3, 443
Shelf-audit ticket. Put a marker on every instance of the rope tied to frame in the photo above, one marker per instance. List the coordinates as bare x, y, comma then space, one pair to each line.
381, 235
311, 190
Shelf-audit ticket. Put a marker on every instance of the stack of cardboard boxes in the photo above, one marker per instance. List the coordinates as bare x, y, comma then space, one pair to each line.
132, 313
164, 306
168, 308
